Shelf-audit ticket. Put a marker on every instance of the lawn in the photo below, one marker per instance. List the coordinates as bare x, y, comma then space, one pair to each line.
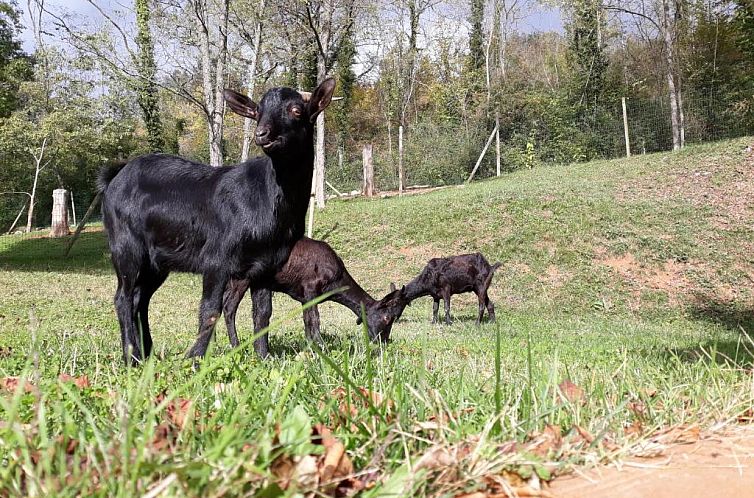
623, 305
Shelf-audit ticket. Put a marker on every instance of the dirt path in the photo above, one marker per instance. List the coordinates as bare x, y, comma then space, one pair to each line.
715, 466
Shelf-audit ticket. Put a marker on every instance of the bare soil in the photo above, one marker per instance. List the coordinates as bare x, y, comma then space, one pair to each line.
716, 465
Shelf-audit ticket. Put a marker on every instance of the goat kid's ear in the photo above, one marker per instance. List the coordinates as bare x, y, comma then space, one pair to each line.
392, 286
241, 104
321, 98
358, 321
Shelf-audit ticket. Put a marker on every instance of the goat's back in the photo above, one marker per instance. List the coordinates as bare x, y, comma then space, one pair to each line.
187, 216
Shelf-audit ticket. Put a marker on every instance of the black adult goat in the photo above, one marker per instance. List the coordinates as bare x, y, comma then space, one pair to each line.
164, 213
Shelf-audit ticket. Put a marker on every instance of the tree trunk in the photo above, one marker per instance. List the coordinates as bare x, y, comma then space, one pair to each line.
368, 189
213, 75
497, 142
251, 81
670, 61
319, 162
59, 213
38, 167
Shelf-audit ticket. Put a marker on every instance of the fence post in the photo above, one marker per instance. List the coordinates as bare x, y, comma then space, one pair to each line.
497, 142
481, 156
625, 128
401, 173
368, 189
59, 213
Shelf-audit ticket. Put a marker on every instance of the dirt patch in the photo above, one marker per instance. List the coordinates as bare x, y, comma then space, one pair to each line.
669, 278
554, 278
716, 465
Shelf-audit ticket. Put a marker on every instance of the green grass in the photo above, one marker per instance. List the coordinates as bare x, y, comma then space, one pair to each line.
626, 336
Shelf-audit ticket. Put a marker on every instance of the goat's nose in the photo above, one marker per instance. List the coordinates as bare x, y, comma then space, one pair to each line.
262, 132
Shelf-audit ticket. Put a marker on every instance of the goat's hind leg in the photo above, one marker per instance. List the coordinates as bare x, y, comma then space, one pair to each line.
435, 309
311, 325
481, 298
148, 283
125, 308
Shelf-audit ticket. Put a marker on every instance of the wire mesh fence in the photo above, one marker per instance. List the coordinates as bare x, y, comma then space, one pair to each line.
429, 157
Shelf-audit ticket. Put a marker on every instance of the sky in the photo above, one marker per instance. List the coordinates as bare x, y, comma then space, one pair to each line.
538, 18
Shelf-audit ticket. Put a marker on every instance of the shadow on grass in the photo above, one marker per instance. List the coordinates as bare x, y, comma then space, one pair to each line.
737, 347
90, 254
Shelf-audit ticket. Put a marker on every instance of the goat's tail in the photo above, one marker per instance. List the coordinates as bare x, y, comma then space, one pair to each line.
493, 268
108, 172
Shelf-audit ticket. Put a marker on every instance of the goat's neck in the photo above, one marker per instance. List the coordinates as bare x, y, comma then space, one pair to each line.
415, 289
353, 296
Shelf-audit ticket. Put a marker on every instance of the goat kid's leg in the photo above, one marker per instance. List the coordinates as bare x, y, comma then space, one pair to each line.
311, 325
435, 309
209, 311
446, 298
231, 299
149, 283
490, 307
262, 303
480, 298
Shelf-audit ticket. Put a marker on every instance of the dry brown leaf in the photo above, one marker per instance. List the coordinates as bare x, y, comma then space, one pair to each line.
549, 440
635, 429
81, 382
584, 434
747, 416
572, 392
437, 457
178, 410
11, 384
638, 408
682, 434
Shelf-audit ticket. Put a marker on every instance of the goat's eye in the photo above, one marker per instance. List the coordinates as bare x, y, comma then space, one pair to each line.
296, 112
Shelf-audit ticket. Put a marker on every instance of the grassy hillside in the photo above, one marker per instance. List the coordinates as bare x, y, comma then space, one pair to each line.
631, 279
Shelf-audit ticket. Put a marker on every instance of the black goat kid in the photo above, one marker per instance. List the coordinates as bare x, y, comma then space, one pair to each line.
164, 213
443, 277
313, 268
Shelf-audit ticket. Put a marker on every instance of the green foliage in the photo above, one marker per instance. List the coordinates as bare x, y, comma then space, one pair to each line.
145, 85
15, 66
476, 36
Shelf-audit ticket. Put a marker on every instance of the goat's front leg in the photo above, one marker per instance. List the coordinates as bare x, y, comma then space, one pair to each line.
232, 298
311, 324
490, 307
209, 311
435, 309
446, 298
262, 302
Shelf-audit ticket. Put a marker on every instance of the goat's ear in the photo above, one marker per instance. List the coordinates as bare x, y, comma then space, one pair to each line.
358, 321
241, 104
321, 98
392, 286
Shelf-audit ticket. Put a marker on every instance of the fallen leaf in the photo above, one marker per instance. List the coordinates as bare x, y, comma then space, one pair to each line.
571, 392
437, 457
80, 382
638, 408
11, 384
584, 434
549, 440
747, 416
178, 409
635, 429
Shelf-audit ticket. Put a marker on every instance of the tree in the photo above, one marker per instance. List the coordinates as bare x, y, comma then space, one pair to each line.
146, 88
588, 57
476, 36
15, 65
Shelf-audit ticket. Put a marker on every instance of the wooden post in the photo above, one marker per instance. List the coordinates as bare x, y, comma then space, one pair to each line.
481, 156
73, 209
625, 128
82, 223
10, 230
368, 189
497, 142
59, 213
401, 173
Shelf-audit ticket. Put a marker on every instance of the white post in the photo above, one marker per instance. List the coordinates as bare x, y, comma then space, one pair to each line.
59, 213
368, 189
625, 128
310, 221
497, 142
401, 173
73, 209
481, 156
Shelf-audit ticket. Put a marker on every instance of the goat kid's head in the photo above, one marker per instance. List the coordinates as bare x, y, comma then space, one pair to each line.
383, 313
285, 118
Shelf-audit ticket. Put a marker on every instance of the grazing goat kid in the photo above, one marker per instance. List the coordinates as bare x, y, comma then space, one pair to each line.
313, 268
164, 213
443, 277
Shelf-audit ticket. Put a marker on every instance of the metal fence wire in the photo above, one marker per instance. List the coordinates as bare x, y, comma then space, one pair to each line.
707, 119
